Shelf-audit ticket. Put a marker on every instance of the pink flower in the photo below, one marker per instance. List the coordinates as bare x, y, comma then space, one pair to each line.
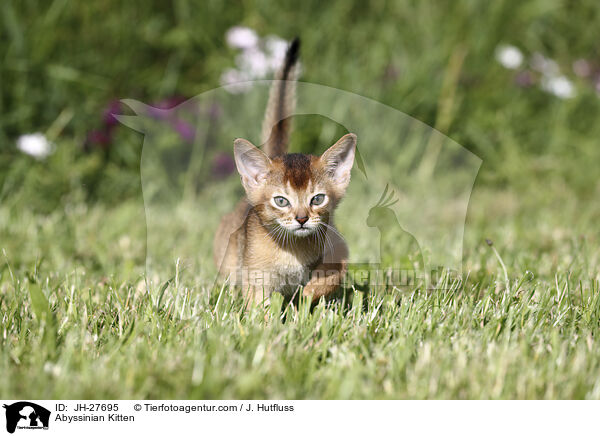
97, 138
185, 130
223, 165
162, 109
582, 68
113, 108
524, 79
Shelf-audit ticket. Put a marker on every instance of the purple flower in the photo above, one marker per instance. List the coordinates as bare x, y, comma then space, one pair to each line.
524, 79
597, 83
223, 165
391, 73
185, 130
158, 113
215, 111
113, 108
162, 109
582, 68
170, 102
97, 138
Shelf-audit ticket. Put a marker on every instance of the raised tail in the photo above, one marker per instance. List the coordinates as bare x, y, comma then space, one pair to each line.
277, 124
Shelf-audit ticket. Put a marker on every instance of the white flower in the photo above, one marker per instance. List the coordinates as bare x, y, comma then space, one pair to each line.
52, 368
275, 48
35, 144
546, 66
560, 86
509, 56
257, 59
241, 37
254, 63
235, 81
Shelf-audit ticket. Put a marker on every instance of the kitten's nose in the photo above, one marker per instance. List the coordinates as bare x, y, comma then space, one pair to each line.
302, 219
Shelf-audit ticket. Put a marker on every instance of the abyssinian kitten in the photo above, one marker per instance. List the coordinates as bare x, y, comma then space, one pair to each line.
282, 236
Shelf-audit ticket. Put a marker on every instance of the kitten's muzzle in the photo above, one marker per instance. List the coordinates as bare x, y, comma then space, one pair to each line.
302, 220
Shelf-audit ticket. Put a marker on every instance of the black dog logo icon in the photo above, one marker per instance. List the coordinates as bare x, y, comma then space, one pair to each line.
26, 415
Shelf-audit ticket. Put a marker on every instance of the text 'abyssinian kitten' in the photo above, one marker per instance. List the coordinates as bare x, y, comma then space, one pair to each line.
281, 236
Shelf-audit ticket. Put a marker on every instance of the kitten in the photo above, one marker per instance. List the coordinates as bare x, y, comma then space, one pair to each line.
281, 236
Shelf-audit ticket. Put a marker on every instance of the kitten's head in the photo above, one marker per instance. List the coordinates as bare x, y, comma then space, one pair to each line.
296, 193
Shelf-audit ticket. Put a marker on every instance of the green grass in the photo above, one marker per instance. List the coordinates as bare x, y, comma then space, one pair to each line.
68, 331
79, 317
123, 342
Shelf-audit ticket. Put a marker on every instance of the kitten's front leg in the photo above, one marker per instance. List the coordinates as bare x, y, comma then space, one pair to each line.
329, 274
326, 278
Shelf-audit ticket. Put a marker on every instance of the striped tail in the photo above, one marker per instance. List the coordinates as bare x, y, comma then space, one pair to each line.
277, 124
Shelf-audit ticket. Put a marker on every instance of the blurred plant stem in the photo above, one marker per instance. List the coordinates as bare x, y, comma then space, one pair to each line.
445, 112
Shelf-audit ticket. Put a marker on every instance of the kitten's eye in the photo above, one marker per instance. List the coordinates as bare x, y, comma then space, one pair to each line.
317, 199
281, 201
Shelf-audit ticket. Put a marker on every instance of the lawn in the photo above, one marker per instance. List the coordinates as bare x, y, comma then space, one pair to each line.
98, 301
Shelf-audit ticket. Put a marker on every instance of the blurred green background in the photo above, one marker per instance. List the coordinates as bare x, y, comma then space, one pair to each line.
74, 58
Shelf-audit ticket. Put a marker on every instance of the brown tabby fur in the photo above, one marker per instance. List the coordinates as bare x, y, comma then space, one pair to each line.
266, 248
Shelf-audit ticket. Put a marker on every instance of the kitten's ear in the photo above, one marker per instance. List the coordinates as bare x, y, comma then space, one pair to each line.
252, 164
339, 158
